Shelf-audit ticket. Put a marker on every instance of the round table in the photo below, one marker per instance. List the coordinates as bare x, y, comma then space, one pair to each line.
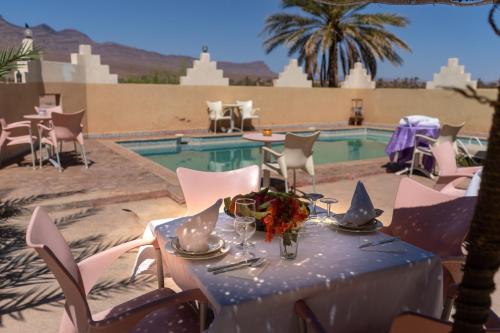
38, 117
268, 141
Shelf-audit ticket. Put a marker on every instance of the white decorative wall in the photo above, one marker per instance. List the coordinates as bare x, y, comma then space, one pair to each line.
293, 76
358, 78
85, 67
204, 73
452, 75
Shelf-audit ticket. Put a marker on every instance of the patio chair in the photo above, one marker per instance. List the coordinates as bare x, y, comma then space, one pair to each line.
64, 127
444, 154
434, 221
409, 322
423, 144
201, 189
247, 111
298, 154
216, 113
474, 149
49, 110
76, 281
8, 139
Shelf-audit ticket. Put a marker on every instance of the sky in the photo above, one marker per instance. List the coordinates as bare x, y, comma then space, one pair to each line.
231, 29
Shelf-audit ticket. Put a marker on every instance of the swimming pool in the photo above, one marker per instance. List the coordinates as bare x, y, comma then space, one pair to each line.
232, 152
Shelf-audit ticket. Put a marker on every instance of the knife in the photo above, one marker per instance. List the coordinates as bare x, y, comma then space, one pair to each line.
243, 262
384, 241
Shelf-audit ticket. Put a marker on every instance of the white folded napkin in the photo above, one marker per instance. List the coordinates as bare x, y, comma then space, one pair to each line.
475, 183
193, 234
361, 210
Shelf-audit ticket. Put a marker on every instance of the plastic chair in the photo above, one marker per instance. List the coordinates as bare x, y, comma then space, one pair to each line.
444, 155
434, 221
423, 144
216, 113
298, 154
409, 322
7, 139
201, 189
76, 281
247, 111
63, 127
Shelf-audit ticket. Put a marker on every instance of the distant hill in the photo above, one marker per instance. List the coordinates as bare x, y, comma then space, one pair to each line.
123, 60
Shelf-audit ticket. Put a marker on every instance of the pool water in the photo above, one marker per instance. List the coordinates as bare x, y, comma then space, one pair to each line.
233, 153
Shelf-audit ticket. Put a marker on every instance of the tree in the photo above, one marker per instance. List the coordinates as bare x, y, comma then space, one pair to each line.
333, 34
10, 57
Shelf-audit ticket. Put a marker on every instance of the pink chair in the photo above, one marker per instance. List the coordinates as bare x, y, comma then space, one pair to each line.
63, 127
436, 222
444, 154
7, 139
76, 281
201, 189
409, 322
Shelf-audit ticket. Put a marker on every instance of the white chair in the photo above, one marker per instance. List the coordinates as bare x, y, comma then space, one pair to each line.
474, 149
298, 154
216, 112
247, 111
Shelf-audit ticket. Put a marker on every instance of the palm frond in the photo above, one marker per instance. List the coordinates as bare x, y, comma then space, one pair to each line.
10, 57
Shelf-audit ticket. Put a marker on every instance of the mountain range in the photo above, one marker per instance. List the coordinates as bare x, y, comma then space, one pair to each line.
123, 60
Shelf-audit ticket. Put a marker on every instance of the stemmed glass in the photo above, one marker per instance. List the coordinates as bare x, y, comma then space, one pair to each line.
244, 223
313, 197
329, 217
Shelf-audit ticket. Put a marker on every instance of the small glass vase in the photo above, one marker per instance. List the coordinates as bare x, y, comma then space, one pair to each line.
289, 244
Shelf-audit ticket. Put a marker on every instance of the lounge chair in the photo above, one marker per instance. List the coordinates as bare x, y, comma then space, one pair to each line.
76, 281
298, 154
473, 148
216, 113
247, 111
8, 139
423, 144
63, 127
444, 154
201, 189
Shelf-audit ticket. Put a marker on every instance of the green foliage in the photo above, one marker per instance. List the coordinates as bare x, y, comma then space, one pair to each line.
325, 37
247, 81
10, 57
406, 82
157, 77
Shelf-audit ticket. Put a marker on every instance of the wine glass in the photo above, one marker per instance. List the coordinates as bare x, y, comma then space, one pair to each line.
313, 198
244, 222
328, 218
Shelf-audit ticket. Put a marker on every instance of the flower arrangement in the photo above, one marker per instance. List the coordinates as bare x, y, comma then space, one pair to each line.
280, 213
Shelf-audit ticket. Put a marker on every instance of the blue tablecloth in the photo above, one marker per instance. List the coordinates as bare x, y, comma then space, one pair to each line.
403, 141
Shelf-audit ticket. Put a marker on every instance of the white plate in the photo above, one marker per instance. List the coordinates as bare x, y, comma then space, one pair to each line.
215, 243
222, 251
371, 226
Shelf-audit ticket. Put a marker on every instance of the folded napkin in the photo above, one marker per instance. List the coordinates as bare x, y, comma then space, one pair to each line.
417, 120
193, 234
361, 210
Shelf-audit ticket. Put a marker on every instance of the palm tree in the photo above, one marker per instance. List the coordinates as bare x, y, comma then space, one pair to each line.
10, 57
332, 33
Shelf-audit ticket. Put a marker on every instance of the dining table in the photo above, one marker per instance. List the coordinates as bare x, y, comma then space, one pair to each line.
350, 289
267, 140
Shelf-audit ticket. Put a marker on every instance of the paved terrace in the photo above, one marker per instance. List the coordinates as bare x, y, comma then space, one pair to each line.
107, 204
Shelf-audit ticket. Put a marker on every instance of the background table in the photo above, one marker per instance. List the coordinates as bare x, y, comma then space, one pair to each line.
268, 141
349, 289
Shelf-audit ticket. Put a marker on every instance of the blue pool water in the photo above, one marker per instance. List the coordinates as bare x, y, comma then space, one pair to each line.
228, 153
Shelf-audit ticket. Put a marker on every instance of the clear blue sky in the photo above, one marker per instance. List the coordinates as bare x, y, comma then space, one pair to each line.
231, 30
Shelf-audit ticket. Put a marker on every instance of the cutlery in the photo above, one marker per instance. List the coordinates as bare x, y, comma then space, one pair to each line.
384, 241
216, 268
259, 262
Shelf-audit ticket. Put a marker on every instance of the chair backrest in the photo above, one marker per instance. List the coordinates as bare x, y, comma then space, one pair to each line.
246, 108
214, 109
67, 126
448, 133
444, 154
49, 110
3, 134
431, 220
201, 189
299, 148
43, 236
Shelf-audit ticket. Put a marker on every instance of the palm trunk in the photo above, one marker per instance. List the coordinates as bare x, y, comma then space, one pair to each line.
333, 64
483, 259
